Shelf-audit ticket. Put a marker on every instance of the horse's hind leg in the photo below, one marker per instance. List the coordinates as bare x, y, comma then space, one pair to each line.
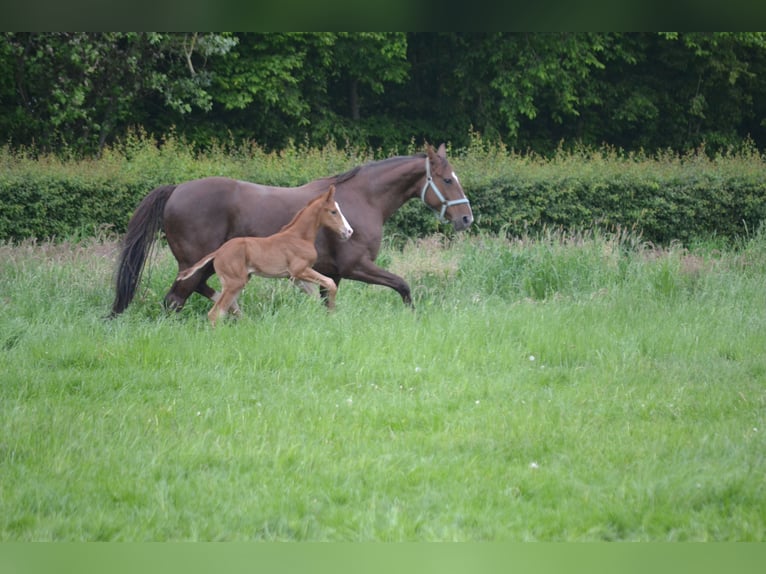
175, 299
180, 291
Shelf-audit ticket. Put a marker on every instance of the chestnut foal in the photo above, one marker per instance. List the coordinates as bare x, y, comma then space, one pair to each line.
288, 253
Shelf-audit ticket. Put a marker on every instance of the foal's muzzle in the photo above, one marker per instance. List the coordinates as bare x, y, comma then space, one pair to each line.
346, 233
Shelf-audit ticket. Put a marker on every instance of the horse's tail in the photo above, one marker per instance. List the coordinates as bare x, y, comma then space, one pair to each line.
142, 233
186, 273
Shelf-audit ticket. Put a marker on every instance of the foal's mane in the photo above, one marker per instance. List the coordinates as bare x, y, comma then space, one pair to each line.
300, 212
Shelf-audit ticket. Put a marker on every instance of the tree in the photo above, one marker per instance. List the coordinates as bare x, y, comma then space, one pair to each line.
80, 89
530, 90
314, 86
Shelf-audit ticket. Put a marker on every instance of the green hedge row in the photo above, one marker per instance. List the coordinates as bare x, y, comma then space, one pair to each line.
665, 198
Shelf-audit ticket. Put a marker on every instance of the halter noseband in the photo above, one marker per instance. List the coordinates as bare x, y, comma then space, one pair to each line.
442, 200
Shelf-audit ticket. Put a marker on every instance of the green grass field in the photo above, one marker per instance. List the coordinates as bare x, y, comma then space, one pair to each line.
557, 388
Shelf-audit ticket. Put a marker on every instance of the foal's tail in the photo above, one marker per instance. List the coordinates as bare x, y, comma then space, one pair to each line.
189, 271
141, 235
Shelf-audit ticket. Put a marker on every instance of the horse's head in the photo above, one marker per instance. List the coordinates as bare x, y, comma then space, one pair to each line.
442, 191
332, 217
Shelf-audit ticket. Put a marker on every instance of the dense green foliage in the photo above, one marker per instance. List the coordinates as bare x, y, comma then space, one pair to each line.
561, 387
665, 197
81, 91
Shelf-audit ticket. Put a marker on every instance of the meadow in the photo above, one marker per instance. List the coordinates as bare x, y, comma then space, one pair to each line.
556, 387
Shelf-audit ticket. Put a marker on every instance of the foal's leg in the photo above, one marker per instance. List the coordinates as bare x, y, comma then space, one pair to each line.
307, 287
324, 282
230, 290
323, 291
207, 291
233, 306
180, 291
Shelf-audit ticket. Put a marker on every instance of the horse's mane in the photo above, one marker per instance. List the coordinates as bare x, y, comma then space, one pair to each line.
346, 175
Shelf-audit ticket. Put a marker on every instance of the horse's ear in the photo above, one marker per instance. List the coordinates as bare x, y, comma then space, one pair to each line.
432, 154
442, 151
331, 193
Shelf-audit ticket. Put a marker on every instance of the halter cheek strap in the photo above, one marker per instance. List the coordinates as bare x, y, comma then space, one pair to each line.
442, 200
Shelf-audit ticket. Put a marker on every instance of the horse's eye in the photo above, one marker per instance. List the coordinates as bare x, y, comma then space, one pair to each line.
447, 180
333, 212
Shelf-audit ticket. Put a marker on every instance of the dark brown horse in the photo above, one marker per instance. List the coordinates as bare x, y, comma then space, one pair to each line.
201, 215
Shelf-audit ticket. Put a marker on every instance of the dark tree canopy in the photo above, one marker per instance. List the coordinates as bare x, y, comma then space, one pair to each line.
80, 91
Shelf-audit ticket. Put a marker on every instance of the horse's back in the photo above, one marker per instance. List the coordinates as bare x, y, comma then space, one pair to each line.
211, 196
202, 214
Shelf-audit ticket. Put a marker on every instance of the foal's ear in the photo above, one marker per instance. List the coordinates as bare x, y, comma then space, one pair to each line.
331, 193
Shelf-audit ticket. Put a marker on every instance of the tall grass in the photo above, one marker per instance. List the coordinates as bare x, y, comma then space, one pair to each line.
556, 387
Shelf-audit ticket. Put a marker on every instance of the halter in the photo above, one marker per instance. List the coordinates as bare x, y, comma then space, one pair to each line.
444, 203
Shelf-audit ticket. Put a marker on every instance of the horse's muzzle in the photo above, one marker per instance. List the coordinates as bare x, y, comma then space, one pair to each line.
346, 234
463, 222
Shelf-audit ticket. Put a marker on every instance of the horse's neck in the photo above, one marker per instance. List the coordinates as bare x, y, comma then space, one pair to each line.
395, 184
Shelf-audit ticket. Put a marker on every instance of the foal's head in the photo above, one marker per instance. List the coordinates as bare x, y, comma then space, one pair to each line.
332, 217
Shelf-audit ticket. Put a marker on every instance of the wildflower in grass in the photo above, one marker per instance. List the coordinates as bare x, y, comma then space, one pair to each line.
531, 357
533, 465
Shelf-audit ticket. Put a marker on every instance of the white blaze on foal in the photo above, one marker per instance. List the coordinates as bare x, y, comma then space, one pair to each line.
347, 230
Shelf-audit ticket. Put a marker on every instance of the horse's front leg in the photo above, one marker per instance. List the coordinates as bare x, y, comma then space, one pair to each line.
367, 272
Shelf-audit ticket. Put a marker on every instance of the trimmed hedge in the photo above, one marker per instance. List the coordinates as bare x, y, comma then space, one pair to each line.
665, 198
